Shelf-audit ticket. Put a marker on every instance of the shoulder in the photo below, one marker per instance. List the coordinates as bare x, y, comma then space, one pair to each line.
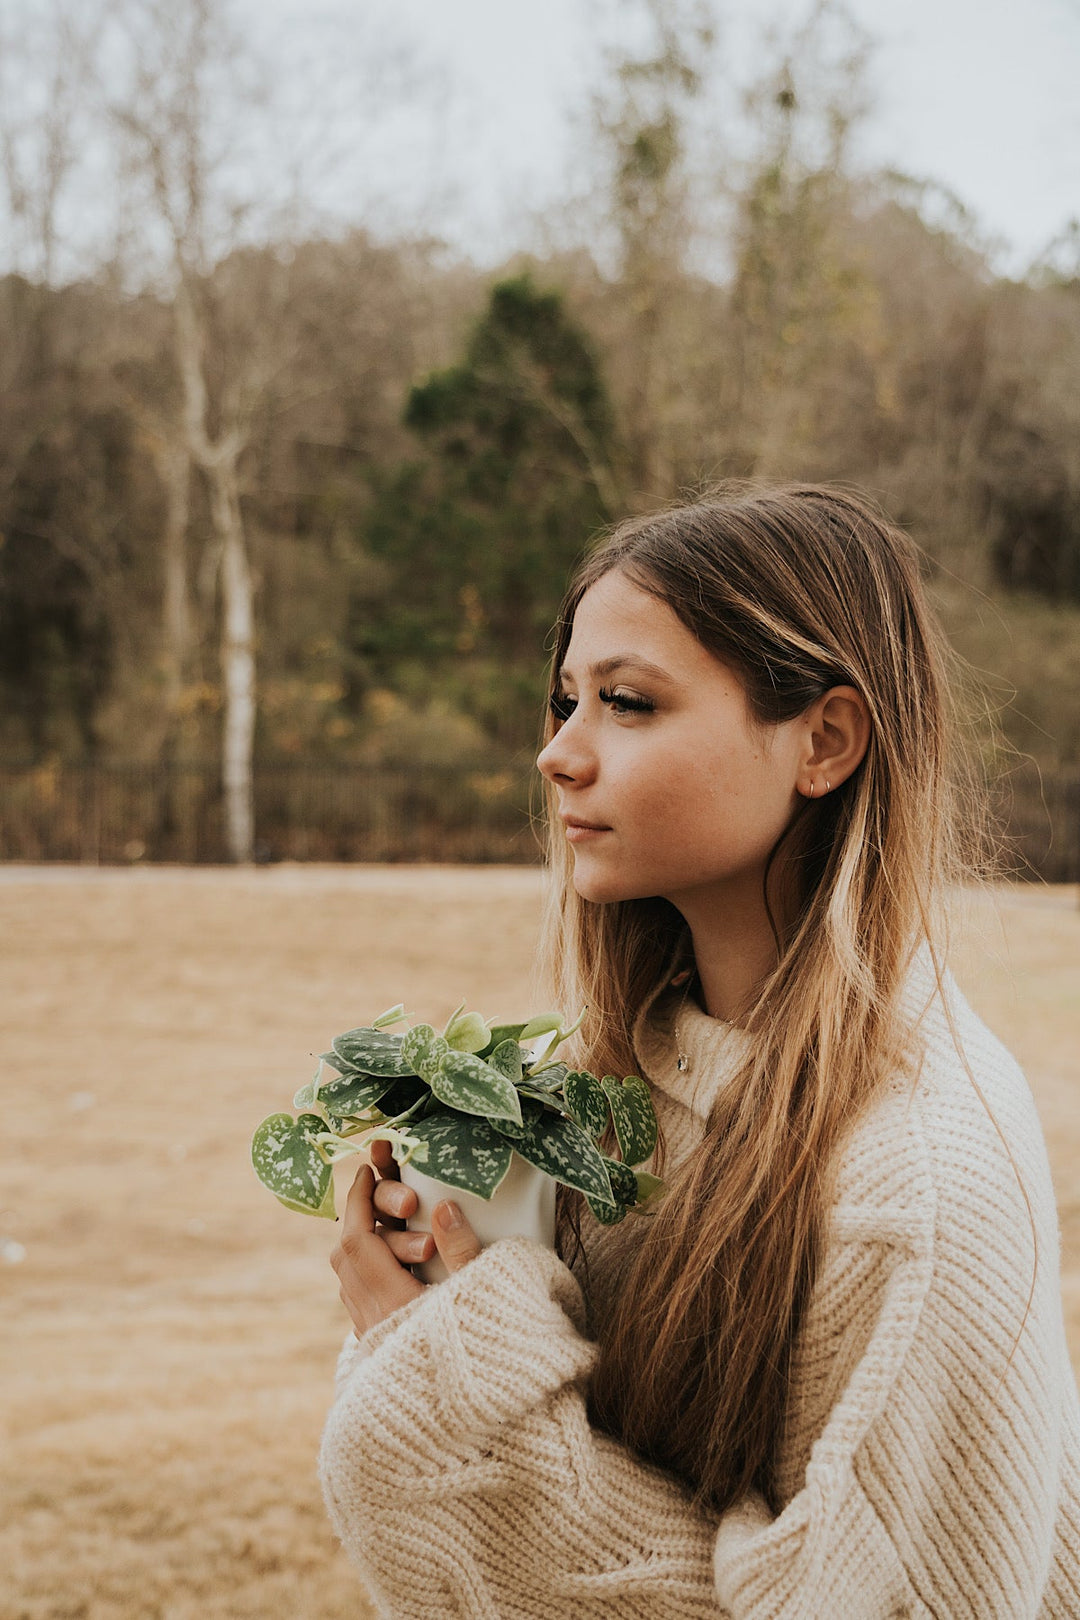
958, 1115
949, 1162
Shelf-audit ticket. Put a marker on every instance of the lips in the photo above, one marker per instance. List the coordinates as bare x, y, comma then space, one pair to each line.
589, 826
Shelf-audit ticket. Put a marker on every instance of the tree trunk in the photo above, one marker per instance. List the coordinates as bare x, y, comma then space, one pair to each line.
237, 662
174, 469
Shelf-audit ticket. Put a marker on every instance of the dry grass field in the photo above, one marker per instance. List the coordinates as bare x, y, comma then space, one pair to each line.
168, 1331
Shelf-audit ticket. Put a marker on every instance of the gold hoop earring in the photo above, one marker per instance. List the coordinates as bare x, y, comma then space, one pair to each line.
810, 795
828, 785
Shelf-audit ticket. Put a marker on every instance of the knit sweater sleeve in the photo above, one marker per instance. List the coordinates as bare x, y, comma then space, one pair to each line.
462, 1476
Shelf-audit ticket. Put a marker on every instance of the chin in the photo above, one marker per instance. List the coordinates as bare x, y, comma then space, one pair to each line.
604, 889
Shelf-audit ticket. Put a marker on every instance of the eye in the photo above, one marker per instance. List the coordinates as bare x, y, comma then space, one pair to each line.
624, 702
562, 706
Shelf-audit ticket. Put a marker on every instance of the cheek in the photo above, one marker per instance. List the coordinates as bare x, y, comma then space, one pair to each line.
732, 799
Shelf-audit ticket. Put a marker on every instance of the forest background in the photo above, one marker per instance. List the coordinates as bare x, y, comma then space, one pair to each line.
287, 508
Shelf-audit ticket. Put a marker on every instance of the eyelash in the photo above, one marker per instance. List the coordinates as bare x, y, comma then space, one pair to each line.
562, 706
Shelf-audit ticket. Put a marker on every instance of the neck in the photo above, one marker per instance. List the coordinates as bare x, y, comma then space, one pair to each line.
734, 947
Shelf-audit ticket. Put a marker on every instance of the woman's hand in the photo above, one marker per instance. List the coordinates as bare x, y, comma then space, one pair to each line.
374, 1251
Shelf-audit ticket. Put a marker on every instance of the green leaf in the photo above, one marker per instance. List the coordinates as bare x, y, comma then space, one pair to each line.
623, 1181
422, 1049
338, 1064
500, 1033
392, 1015
542, 1024
626, 1185
305, 1097
649, 1187
506, 1058
325, 1211
607, 1214
463, 1151
466, 1082
353, 1094
548, 1079
287, 1160
586, 1102
635, 1120
467, 1032
531, 1108
370, 1051
561, 1148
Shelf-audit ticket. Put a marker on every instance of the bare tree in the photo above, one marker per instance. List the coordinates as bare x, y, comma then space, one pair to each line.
641, 119
198, 120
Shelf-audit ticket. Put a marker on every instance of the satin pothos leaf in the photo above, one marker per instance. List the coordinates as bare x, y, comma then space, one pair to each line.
287, 1160
565, 1152
607, 1214
500, 1033
422, 1048
466, 1082
353, 1094
633, 1116
467, 1032
463, 1151
507, 1058
586, 1102
624, 1187
548, 1079
649, 1187
369, 1051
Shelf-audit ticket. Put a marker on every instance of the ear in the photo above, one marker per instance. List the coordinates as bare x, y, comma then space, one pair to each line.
836, 736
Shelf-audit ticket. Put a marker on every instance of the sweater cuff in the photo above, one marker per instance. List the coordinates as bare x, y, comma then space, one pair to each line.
357, 1347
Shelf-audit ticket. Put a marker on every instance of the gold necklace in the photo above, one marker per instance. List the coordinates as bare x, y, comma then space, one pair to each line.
682, 1060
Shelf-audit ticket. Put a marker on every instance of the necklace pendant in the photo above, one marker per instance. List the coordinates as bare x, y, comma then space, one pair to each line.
683, 1063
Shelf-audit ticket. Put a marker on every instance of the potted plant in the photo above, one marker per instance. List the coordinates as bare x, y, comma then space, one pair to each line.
473, 1111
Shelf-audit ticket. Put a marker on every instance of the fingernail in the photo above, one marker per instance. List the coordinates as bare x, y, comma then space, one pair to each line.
450, 1216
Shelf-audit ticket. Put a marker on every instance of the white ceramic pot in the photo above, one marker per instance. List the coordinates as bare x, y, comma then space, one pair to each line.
523, 1205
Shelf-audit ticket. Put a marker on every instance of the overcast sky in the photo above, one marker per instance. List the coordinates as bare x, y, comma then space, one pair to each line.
979, 94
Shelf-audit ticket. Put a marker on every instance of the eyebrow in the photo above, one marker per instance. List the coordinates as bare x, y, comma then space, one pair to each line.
608, 666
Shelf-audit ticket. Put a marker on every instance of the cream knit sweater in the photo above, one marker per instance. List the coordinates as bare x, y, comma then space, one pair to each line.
922, 1471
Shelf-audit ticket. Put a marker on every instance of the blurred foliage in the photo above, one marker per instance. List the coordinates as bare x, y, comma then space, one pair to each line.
474, 541
433, 447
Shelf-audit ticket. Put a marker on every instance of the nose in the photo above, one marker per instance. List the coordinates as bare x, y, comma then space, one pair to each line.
567, 757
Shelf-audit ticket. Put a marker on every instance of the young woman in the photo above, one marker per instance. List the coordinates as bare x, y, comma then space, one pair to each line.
828, 1375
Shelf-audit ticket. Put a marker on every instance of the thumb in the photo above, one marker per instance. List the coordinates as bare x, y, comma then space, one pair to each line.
455, 1239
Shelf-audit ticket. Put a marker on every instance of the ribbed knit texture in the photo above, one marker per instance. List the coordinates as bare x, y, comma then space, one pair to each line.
930, 1459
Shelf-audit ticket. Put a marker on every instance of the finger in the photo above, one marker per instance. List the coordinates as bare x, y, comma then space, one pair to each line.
366, 1267
410, 1248
382, 1157
359, 1207
455, 1239
393, 1202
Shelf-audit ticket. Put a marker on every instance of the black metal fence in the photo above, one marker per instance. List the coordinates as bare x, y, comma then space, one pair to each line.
125, 813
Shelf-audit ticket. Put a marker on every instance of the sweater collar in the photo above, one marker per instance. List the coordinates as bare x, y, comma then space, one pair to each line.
714, 1049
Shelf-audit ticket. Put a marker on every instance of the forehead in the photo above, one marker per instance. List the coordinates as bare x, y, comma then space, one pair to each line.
616, 619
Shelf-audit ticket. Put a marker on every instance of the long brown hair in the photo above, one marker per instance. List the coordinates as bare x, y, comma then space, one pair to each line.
797, 589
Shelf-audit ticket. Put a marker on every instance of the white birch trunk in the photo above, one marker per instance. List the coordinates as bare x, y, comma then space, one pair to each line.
174, 469
237, 662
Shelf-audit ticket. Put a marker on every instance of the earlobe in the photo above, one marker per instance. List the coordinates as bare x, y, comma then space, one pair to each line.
839, 738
